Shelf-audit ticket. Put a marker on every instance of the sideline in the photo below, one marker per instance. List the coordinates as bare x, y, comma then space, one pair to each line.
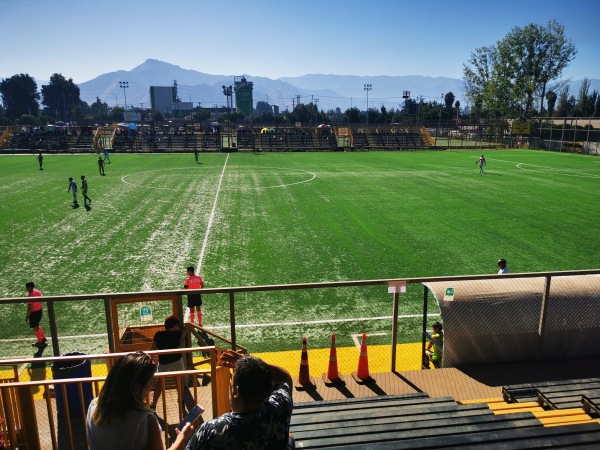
211, 218
257, 325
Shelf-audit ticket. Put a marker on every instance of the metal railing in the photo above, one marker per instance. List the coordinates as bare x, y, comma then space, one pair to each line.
55, 405
236, 310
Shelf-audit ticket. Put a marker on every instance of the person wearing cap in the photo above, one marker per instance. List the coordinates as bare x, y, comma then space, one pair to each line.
502, 266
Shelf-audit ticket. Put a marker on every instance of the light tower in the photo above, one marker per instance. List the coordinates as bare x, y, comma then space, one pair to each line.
367, 88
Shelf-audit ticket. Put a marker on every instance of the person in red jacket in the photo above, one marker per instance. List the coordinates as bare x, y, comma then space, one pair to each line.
194, 281
34, 315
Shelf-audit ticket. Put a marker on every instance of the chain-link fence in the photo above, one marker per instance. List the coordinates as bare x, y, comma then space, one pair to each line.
567, 134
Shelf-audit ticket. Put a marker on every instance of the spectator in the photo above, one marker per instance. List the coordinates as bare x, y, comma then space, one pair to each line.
261, 408
194, 281
34, 315
170, 339
502, 266
119, 418
434, 349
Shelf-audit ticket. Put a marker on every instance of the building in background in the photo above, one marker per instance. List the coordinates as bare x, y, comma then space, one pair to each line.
243, 96
164, 99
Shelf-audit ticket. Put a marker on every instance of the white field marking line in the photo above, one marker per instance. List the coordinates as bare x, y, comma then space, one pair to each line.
557, 171
212, 217
62, 337
319, 322
356, 336
550, 170
313, 176
253, 325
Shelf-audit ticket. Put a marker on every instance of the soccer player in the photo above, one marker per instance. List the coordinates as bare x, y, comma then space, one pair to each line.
106, 156
101, 165
34, 315
194, 300
40, 159
481, 163
73, 188
84, 190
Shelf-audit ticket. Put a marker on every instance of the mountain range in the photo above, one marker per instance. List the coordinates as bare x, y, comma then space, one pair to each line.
328, 91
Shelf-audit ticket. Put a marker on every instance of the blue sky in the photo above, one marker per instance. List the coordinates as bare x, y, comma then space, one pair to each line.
275, 38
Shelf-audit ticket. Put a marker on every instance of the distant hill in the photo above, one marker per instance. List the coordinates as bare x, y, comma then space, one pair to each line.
332, 91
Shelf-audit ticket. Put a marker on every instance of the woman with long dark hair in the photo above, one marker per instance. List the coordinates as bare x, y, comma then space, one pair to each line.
119, 418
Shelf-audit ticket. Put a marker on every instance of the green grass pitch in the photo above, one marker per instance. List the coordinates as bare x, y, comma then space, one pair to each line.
254, 219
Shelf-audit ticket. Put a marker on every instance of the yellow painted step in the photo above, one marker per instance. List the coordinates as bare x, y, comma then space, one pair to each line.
565, 420
561, 412
531, 409
481, 400
503, 405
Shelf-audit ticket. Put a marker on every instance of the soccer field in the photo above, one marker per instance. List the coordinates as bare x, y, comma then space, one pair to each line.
255, 219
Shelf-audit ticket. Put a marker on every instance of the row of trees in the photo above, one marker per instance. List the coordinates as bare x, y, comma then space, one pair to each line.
520, 74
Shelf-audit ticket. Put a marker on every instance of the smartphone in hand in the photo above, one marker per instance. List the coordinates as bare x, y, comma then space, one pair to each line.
191, 417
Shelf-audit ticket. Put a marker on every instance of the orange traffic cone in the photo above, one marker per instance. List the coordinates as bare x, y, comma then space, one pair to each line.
332, 376
304, 379
362, 374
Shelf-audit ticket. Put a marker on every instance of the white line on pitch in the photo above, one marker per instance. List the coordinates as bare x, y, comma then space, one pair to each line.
255, 325
212, 216
319, 322
356, 336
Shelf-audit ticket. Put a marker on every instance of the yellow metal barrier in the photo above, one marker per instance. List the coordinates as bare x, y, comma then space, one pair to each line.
34, 402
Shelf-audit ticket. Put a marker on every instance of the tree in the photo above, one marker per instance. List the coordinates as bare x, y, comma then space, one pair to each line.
551, 99
562, 108
61, 96
20, 96
504, 77
449, 100
585, 106
352, 115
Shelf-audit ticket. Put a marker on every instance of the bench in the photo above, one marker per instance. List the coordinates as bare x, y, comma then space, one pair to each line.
370, 421
407, 428
591, 403
587, 434
570, 397
528, 391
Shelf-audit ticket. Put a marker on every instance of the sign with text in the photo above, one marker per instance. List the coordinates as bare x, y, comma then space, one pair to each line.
521, 127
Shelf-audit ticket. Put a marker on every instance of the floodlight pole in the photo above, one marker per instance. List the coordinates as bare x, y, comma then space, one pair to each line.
124, 85
367, 88
406, 96
439, 120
